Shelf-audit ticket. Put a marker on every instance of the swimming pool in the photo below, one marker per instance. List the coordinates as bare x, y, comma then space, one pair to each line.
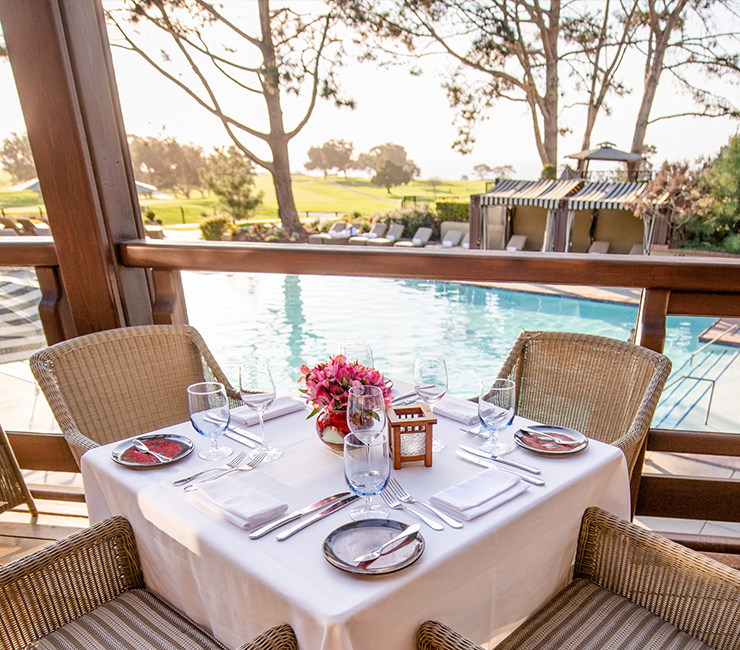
290, 320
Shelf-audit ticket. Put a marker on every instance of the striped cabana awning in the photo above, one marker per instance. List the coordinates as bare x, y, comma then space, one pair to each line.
542, 193
615, 196
21, 332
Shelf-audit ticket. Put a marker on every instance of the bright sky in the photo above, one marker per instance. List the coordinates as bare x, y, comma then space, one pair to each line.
393, 106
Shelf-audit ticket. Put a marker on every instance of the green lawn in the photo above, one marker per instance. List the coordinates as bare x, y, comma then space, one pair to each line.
312, 195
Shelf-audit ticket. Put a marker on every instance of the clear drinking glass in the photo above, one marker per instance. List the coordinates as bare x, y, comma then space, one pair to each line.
257, 390
366, 412
496, 406
357, 350
210, 415
367, 469
430, 384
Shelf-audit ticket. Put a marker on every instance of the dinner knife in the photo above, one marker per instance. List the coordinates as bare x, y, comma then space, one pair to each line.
297, 514
479, 461
319, 515
498, 459
240, 438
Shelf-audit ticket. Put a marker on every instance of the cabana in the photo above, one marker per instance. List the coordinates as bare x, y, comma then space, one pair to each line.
525, 208
565, 215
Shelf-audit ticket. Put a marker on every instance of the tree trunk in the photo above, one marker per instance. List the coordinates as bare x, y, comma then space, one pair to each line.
652, 77
277, 139
550, 37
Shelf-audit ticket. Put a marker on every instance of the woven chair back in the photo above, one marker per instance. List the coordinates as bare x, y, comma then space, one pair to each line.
605, 388
13, 489
120, 383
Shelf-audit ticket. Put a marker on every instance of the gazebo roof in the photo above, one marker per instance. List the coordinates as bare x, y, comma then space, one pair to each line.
605, 151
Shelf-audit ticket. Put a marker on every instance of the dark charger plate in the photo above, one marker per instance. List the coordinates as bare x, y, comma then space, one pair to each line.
360, 537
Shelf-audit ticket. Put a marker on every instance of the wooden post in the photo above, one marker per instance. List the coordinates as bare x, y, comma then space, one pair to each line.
63, 70
475, 221
650, 332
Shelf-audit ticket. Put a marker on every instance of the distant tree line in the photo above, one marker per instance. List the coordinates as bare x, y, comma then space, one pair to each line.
388, 164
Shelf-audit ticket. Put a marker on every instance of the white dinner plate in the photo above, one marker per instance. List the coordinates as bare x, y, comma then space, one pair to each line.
530, 440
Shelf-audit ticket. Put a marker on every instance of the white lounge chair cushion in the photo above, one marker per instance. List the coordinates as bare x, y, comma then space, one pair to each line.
391, 238
416, 241
370, 235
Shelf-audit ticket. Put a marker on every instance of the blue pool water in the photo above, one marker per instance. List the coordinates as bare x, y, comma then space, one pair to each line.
291, 320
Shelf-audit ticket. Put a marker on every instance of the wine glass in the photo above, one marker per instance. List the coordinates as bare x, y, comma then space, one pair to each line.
367, 469
210, 415
430, 384
357, 350
257, 391
366, 411
496, 406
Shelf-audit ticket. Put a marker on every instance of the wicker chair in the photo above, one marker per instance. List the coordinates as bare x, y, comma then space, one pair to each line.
13, 490
120, 383
87, 591
632, 589
605, 388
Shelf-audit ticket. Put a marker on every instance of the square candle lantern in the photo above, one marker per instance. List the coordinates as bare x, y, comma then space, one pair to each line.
410, 434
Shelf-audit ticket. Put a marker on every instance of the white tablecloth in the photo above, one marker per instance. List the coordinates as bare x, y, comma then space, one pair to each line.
482, 580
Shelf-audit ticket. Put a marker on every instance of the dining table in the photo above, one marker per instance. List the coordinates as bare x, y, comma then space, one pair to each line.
482, 579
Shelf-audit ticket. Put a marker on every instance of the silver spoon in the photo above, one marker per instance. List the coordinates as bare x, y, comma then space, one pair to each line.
139, 444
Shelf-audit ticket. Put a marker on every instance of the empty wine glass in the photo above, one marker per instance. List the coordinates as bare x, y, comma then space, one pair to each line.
257, 391
430, 384
366, 411
496, 406
210, 415
357, 350
367, 469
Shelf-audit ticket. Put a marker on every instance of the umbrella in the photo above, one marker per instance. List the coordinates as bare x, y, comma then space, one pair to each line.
605, 151
141, 188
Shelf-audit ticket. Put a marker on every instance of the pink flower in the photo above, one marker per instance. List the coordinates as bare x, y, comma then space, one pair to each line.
328, 383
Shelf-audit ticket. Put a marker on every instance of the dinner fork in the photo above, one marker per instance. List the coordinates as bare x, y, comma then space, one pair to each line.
402, 495
234, 462
397, 505
250, 465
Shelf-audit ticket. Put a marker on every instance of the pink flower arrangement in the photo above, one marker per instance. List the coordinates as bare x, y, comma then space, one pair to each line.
328, 383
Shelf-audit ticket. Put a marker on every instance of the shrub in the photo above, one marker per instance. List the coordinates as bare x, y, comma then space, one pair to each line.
447, 211
213, 227
411, 219
272, 239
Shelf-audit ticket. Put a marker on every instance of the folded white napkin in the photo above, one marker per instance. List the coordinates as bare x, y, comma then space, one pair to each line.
479, 494
460, 410
241, 505
281, 406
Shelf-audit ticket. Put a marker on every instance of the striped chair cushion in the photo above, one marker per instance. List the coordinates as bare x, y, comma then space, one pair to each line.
136, 620
585, 616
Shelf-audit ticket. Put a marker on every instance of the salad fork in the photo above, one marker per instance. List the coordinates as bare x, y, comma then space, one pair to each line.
234, 462
402, 495
259, 457
397, 505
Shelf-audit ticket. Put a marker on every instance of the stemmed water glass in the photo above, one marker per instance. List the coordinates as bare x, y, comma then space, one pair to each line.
366, 411
257, 391
210, 415
367, 469
496, 406
430, 384
357, 350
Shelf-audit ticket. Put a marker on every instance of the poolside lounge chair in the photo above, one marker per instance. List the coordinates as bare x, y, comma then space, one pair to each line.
599, 247
341, 237
87, 591
516, 243
10, 224
452, 238
420, 238
394, 233
7, 232
575, 381
378, 230
637, 249
318, 238
631, 589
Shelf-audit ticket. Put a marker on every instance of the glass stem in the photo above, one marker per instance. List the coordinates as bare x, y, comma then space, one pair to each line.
214, 442
262, 429
368, 504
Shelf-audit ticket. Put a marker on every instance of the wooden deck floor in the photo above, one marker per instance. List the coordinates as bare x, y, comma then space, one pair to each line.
21, 535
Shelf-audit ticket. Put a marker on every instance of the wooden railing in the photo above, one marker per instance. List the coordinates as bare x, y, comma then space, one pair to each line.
670, 286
